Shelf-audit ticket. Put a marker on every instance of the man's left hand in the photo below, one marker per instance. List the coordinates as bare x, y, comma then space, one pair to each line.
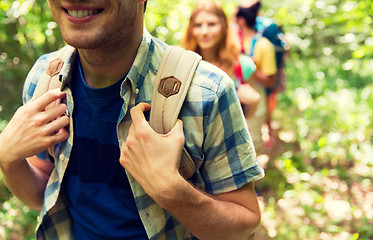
152, 158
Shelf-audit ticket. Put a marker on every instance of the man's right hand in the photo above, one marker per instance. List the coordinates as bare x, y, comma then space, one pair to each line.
34, 127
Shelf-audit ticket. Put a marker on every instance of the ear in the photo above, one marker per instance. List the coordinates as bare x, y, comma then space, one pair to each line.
142, 4
240, 21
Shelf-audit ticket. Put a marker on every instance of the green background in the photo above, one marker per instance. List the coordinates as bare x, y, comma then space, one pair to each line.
318, 181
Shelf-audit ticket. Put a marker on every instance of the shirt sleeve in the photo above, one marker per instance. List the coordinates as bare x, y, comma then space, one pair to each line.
230, 159
264, 56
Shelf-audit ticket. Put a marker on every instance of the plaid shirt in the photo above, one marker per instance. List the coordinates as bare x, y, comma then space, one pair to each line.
215, 131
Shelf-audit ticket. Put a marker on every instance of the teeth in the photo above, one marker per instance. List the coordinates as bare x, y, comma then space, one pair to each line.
81, 13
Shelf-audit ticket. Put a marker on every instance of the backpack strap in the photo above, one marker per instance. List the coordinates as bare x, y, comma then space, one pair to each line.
172, 82
256, 38
51, 79
174, 76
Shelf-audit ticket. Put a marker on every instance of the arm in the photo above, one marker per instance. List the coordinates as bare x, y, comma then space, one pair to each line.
30, 187
152, 159
232, 215
265, 59
33, 129
265, 80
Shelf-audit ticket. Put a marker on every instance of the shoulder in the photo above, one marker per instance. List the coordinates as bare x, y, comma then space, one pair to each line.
211, 77
35, 73
264, 43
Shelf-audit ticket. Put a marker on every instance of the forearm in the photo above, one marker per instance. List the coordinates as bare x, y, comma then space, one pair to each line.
26, 182
208, 217
265, 80
153, 160
33, 129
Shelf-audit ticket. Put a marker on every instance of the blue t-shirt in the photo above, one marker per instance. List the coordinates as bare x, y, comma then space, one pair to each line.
100, 199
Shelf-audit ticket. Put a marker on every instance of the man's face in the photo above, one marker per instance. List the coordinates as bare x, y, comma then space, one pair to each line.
91, 24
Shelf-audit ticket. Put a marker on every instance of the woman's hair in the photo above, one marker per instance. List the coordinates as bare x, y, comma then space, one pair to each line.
228, 47
249, 14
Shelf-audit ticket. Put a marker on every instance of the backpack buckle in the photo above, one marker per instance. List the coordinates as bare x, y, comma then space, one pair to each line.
169, 86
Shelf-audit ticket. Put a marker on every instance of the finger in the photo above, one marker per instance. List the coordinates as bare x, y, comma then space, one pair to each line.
137, 112
49, 97
131, 132
126, 155
60, 136
55, 112
177, 132
178, 126
58, 124
133, 142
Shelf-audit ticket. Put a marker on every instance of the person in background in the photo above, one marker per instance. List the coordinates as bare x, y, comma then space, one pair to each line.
111, 176
263, 53
208, 33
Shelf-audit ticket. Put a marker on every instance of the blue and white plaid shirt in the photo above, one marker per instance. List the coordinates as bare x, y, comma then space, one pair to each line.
216, 136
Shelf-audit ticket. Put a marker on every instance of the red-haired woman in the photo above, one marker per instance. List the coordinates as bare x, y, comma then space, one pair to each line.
208, 34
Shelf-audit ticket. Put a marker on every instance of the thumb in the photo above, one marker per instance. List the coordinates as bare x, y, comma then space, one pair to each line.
177, 132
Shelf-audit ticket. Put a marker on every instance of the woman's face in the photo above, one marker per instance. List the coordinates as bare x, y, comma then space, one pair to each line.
207, 30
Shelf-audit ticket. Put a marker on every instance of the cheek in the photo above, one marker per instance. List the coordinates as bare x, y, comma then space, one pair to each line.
195, 33
217, 33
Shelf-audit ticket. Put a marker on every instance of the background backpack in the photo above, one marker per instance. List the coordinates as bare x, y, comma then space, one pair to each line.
266, 27
269, 29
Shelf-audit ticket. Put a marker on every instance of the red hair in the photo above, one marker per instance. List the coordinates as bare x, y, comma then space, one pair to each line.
228, 49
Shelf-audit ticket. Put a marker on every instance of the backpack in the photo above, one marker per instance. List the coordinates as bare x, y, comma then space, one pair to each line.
266, 27
248, 96
174, 76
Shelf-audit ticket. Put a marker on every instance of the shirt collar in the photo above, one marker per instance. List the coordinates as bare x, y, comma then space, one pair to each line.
140, 67
142, 63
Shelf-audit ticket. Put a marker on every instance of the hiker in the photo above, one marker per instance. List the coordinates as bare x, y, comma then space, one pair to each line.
267, 28
111, 176
208, 33
263, 54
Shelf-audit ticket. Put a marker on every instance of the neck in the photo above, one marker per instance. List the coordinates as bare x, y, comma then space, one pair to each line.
248, 32
210, 55
104, 66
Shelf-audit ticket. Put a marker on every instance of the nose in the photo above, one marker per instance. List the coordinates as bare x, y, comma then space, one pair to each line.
204, 29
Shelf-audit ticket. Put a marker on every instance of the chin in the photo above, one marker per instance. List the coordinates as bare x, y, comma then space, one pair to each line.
207, 47
82, 42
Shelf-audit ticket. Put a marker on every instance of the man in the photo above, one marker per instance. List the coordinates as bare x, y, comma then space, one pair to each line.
263, 53
112, 176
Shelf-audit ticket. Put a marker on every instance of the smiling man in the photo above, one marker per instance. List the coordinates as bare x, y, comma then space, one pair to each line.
109, 175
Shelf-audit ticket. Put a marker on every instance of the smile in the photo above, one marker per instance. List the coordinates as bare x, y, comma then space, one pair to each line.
82, 13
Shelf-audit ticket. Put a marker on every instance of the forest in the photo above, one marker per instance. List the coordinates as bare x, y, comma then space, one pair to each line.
319, 173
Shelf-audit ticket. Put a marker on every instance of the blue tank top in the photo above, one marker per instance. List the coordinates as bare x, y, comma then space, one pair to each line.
100, 199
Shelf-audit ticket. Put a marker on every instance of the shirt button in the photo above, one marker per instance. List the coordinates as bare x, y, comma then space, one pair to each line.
137, 91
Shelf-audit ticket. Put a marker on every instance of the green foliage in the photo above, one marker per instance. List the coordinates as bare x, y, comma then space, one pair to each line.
17, 221
318, 184
26, 31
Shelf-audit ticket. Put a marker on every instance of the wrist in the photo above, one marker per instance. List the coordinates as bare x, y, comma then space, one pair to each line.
7, 160
170, 191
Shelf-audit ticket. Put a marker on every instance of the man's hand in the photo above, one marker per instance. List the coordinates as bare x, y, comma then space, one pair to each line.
152, 158
35, 126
